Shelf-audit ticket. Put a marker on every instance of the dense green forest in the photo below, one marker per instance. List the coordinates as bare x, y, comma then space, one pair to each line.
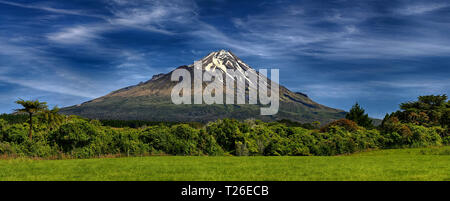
421, 123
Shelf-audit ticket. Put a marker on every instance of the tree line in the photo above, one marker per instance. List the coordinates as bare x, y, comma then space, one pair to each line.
37, 131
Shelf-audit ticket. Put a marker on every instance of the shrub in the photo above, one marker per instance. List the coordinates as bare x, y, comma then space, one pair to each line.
423, 136
38, 149
446, 140
226, 132
16, 133
75, 134
125, 141
348, 125
184, 140
3, 126
156, 137
208, 145
277, 147
398, 134
11, 149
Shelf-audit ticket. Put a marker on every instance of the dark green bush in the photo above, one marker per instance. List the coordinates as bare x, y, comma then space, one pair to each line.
208, 145
17, 133
226, 132
3, 126
77, 133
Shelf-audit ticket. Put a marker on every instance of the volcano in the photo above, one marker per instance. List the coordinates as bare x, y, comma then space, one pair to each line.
151, 101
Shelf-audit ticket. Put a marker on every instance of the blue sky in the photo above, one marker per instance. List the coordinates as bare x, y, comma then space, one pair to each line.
379, 53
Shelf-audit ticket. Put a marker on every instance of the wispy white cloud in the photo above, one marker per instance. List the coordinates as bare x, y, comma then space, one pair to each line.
134, 67
76, 35
280, 33
61, 88
51, 9
383, 48
29, 66
146, 13
211, 35
277, 34
152, 16
375, 88
418, 9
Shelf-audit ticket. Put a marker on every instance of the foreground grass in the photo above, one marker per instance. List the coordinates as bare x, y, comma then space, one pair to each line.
398, 164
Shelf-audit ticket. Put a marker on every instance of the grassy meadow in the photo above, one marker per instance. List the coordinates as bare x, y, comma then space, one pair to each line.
422, 164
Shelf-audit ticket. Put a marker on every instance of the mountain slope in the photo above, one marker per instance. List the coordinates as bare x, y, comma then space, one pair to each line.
151, 101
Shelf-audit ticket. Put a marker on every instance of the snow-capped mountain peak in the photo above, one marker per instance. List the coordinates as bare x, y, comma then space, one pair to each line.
150, 100
223, 60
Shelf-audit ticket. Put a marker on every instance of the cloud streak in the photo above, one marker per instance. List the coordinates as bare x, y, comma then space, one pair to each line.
342, 34
418, 9
49, 87
50, 9
152, 16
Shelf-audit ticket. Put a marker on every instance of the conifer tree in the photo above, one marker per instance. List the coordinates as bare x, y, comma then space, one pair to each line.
357, 114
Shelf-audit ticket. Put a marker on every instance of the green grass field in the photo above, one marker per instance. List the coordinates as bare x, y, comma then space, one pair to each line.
396, 164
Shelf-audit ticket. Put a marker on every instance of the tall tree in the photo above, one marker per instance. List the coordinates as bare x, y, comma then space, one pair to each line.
357, 114
31, 107
431, 110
